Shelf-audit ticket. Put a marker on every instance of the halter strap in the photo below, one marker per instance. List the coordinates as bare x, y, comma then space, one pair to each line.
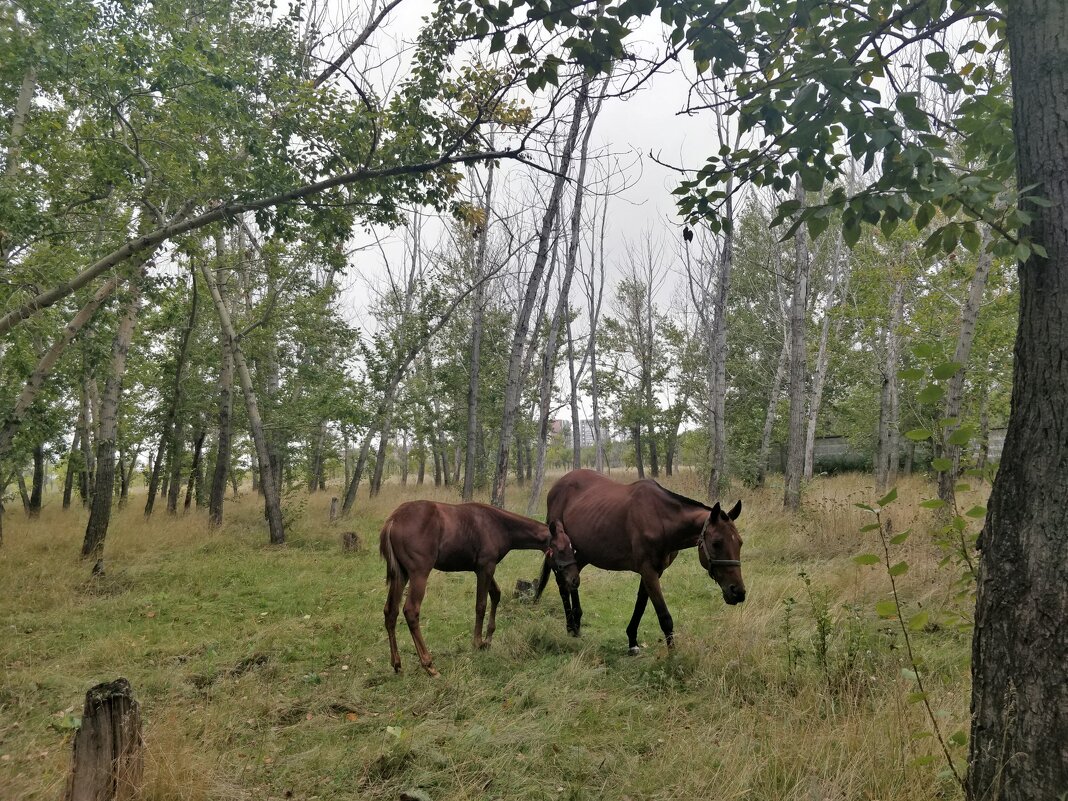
713, 562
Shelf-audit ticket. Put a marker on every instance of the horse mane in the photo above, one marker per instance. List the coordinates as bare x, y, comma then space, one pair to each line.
682, 498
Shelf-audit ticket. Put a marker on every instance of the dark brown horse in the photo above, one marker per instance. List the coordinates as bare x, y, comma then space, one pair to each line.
642, 527
472, 537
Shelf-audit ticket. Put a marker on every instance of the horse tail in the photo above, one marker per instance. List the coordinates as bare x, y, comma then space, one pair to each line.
385, 548
545, 568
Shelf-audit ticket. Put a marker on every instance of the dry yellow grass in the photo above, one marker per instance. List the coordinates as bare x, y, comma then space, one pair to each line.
265, 671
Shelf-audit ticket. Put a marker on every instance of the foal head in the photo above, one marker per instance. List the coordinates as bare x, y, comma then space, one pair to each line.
720, 549
561, 554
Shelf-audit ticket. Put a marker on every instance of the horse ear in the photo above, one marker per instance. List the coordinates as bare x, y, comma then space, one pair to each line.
717, 513
737, 510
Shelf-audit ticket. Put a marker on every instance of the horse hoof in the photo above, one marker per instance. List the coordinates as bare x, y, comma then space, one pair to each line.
397, 668
482, 646
432, 671
634, 650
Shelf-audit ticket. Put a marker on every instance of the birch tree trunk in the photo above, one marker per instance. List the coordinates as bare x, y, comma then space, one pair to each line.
512, 388
271, 498
68, 479
839, 275
795, 445
888, 452
100, 514
947, 479
475, 348
224, 438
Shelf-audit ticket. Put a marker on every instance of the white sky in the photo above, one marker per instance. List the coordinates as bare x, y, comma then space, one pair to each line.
645, 123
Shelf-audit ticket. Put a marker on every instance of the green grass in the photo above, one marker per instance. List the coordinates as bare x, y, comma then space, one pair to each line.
264, 672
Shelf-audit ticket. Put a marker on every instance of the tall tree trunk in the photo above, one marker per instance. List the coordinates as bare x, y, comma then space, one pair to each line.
636, 436
478, 302
717, 477
24, 492
175, 459
1019, 731
72, 468
170, 440
795, 443
888, 453
88, 476
947, 479
271, 498
100, 514
13, 157
195, 470
839, 275
37, 485
513, 383
573, 380
224, 438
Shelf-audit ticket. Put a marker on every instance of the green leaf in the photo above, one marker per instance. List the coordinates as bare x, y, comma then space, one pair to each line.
962, 436
869, 527
977, 512
909, 674
932, 393
897, 539
889, 498
866, 559
946, 370
886, 609
910, 374
959, 737
942, 465
899, 569
918, 620
918, 434
933, 503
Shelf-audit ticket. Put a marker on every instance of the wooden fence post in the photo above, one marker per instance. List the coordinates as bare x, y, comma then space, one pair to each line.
108, 761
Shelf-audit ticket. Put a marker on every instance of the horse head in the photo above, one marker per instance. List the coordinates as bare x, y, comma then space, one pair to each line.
719, 548
561, 556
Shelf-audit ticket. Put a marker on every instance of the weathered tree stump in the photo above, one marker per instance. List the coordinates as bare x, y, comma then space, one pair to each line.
333, 509
108, 762
350, 541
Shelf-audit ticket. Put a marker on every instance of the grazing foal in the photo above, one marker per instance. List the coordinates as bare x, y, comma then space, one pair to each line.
472, 537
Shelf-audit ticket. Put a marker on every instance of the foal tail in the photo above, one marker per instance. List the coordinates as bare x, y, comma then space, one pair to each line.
385, 548
545, 568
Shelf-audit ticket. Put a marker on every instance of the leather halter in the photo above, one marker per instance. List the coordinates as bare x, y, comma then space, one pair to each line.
708, 559
558, 566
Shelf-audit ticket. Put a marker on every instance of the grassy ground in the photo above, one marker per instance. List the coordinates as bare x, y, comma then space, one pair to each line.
264, 673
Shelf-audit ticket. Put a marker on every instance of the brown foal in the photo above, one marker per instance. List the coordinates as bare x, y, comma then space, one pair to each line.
421, 536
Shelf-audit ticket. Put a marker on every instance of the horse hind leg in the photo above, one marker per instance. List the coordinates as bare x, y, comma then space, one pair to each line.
394, 594
411, 614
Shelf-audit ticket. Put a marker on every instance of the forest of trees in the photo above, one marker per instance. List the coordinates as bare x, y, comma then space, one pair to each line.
189, 202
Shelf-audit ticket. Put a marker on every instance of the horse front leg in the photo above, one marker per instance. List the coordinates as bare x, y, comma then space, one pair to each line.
635, 620
651, 582
565, 598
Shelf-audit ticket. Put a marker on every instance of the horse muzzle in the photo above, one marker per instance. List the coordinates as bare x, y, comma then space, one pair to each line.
734, 594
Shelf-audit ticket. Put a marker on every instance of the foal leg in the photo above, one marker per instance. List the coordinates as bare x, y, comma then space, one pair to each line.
651, 582
393, 602
411, 614
495, 598
635, 619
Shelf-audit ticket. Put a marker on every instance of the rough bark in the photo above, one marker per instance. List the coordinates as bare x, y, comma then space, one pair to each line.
1019, 737
195, 470
271, 498
100, 512
37, 484
108, 761
513, 383
795, 443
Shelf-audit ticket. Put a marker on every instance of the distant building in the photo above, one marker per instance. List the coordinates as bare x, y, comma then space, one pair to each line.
586, 435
